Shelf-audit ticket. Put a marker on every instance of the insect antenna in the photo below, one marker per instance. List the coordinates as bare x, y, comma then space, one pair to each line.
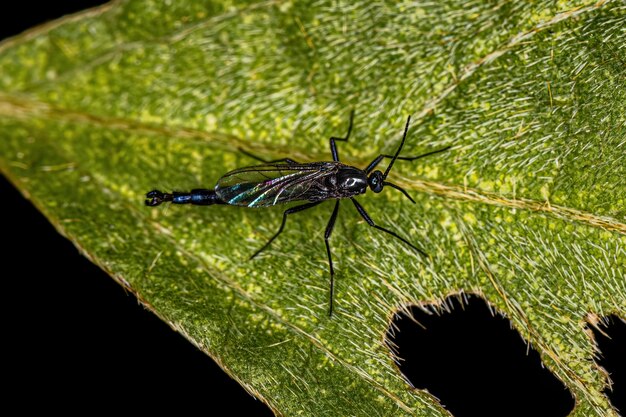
406, 129
397, 187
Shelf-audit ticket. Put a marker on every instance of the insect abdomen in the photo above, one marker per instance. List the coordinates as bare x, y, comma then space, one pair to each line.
198, 197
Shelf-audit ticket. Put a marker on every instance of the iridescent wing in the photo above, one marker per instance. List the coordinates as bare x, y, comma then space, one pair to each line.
271, 184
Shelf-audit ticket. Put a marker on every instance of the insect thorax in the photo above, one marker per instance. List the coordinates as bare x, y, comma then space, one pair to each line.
344, 182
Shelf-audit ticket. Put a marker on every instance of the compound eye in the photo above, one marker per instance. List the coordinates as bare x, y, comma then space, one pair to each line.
376, 181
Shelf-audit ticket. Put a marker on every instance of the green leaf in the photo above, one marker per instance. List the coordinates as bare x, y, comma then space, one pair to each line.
527, 209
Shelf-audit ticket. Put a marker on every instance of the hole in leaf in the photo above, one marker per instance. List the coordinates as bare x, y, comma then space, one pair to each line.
474, 362
610, 336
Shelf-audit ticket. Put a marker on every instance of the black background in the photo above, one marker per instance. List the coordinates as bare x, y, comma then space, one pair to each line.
73, 333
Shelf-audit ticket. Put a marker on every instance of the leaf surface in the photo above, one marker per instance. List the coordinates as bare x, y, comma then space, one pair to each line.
527, 208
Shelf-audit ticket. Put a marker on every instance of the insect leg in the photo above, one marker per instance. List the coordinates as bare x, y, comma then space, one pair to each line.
258, 158
379, 158
282, 225
333, 145
369, 221
329, 230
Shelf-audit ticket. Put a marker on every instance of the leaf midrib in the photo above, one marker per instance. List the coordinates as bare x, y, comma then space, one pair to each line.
21, 107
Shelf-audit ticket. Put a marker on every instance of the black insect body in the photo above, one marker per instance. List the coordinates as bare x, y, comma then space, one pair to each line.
285, 181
